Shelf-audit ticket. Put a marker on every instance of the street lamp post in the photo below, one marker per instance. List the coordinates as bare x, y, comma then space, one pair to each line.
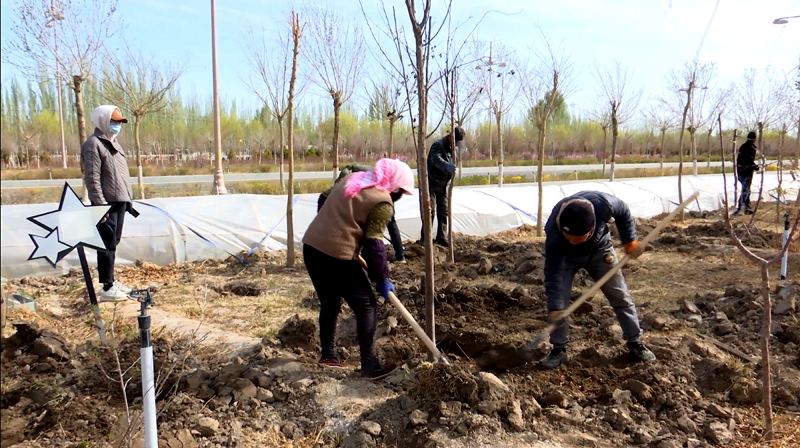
219, 177
55, 17
490, 65
784, 20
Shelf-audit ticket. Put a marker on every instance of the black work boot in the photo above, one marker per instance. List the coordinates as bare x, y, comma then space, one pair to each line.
556, 357
641, 352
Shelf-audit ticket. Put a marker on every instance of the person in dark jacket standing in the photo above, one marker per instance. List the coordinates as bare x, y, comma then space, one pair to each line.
745, 168
441, 166
577, 236
107, 179
394, 231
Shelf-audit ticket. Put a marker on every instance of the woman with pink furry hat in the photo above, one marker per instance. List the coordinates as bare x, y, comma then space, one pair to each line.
350, 226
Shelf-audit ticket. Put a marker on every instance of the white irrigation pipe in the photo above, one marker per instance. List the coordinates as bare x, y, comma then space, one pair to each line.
148, 371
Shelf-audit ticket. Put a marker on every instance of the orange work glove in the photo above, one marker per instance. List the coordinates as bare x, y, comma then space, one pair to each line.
634, 249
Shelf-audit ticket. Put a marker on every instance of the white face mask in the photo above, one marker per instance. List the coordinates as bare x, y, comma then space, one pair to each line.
115, 128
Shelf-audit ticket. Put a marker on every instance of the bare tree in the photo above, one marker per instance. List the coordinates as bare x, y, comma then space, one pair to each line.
621, 97
270, 59
760, 101
336, 56
545, 90
760, 98
139, 86
703, 96
503, 85
86, 24
451, 66
387, 100
663, 121
74, 53
296, 31
410, 61
602, 117
764, 264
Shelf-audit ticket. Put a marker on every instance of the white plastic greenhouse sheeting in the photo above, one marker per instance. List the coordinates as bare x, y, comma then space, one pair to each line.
238, 223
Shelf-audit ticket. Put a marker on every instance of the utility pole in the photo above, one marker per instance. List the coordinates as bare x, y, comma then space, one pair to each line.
219, 177
55, 17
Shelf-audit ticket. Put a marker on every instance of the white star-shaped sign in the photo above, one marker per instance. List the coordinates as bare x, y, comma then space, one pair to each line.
76, 222
49, 248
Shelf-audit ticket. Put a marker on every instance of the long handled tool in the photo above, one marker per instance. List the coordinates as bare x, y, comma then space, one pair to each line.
528, 353
438, 355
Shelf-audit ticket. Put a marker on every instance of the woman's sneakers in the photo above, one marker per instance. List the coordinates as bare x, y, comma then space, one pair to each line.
379, 372
331, 362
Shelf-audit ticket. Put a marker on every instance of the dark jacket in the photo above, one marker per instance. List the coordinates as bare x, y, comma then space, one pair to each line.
557, 248
439, 157
746, 160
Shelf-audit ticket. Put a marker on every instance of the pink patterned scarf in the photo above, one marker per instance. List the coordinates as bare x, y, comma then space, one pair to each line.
388, 175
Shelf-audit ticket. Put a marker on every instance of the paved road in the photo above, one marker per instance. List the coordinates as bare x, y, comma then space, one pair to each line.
322, 175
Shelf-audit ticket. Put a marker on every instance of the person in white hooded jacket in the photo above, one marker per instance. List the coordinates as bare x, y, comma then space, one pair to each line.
107, 180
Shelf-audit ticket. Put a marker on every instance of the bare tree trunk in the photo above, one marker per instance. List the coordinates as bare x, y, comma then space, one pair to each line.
280, 149
693, 148
614, 135
501, 149
490, 125
76, 88
779, 190
661, 151
797, 147
763, 169
540, 176
391, 137
337, 106
708, 147
766, 330
680, 148
735, 171
290, 196
422, 170
605, 147
137, 121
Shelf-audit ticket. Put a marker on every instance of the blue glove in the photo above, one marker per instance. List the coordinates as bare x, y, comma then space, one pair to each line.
450, 168
384, 287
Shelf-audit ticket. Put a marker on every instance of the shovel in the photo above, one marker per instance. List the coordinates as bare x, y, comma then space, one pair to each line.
528, 353
437, 355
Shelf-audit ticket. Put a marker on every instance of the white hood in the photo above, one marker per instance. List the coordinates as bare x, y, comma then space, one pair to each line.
101, 118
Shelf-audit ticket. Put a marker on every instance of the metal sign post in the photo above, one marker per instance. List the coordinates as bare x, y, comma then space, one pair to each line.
72, 225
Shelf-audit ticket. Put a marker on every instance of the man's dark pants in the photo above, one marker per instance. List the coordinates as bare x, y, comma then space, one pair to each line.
439, 208
744, 198
615, 290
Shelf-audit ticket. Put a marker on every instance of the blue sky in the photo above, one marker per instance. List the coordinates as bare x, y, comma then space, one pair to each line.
649, 36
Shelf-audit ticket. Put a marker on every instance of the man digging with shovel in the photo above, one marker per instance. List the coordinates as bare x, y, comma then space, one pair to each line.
349, 225
577, 236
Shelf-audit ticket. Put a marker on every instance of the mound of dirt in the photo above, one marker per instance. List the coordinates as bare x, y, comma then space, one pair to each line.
298, 332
